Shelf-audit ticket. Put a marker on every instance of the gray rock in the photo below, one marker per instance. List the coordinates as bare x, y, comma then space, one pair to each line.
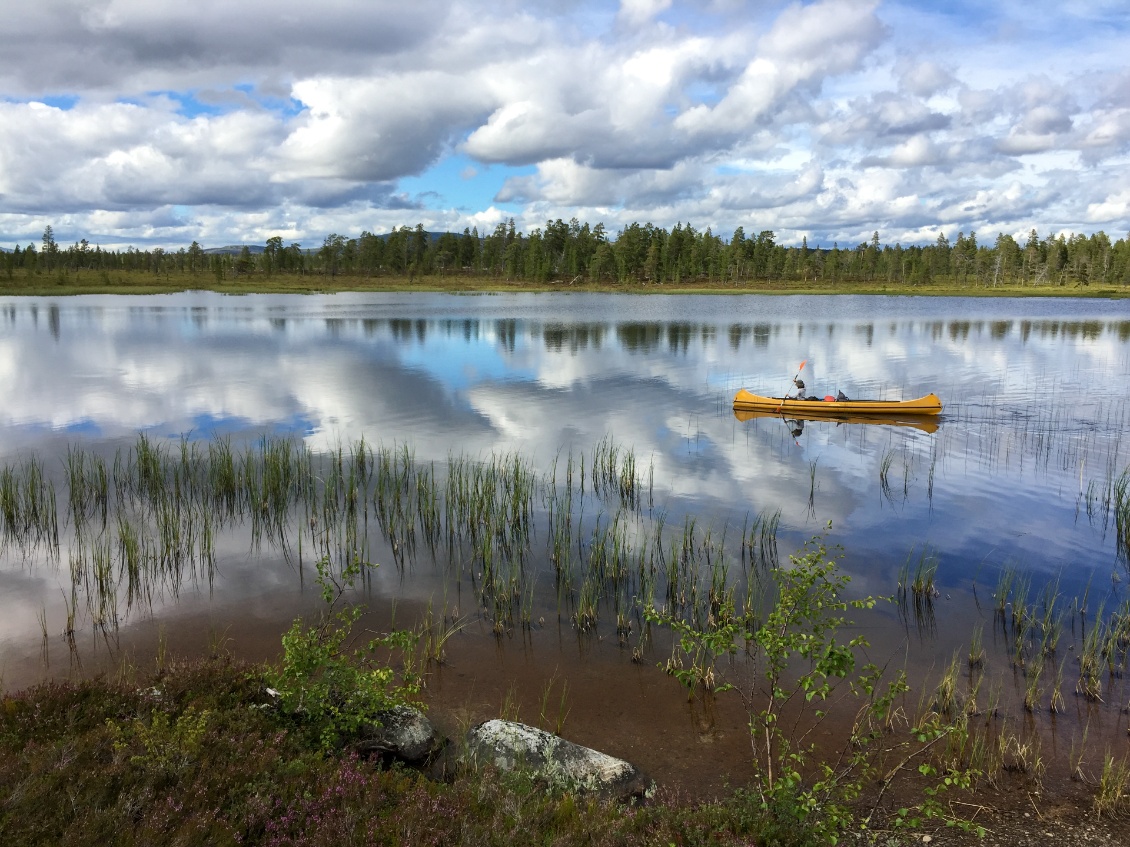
562, 764
405, 733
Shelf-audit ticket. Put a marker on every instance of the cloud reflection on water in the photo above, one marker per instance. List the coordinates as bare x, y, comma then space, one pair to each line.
1035, 391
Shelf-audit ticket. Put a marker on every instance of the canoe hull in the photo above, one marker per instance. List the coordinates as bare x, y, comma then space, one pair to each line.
746, 401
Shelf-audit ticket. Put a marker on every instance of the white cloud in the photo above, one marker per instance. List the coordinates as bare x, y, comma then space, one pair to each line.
163, 123
638, 12
805, 45
376, 129
924, 78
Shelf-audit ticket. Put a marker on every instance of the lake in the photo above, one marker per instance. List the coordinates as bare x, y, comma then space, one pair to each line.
1021, 477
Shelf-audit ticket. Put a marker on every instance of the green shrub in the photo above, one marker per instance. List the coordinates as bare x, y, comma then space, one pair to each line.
802, 658
330, 685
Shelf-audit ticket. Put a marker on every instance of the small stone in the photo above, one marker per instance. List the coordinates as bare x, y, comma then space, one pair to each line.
405, 733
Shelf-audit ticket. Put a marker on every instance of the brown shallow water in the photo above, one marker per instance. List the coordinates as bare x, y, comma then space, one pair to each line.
589, 689
630, 710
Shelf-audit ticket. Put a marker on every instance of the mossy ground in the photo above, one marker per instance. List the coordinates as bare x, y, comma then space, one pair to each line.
194, 755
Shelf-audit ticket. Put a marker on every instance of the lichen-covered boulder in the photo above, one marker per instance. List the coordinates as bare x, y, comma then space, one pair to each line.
560, 763
405, 734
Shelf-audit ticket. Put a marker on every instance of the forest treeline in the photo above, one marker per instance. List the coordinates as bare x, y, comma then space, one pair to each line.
640, 253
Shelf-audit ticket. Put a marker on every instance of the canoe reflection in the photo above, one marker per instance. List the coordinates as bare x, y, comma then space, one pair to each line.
796, 422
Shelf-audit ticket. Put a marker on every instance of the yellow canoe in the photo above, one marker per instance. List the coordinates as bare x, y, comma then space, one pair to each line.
746, 401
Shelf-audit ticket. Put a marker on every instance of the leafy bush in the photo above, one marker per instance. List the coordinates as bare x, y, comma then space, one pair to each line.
802, 659
329, 684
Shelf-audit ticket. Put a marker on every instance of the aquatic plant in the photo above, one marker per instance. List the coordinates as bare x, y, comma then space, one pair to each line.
1121, 501
801, 660
977, 647
1112, 795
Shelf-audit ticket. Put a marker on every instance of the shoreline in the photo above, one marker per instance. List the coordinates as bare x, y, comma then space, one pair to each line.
144, 283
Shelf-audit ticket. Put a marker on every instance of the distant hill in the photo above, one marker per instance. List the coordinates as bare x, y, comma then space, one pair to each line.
233, 250
256, 249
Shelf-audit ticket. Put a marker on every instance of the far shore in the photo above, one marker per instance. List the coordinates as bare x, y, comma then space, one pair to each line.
93, 282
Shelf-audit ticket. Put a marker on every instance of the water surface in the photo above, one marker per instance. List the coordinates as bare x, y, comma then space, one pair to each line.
1037, 403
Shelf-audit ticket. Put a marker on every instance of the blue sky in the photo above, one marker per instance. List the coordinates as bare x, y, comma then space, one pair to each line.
153, 123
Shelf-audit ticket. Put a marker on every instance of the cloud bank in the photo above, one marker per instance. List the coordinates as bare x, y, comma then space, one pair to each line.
154, 123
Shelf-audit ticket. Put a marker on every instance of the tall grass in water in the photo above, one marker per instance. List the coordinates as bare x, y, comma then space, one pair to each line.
28, 512
1003, 590
1033, 691
917, 586
977, 647
149, 521
1089, 684
1055, 704
884, 472
1122, 513
947, 699
615, 474
88, 488
1113, 794
759, 539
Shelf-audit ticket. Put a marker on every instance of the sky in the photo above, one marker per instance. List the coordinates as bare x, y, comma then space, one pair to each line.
152, 123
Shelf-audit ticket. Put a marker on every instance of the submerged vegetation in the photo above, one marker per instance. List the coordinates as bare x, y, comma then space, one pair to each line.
138, 526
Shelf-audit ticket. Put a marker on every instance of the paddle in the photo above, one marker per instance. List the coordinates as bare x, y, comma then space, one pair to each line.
798, 370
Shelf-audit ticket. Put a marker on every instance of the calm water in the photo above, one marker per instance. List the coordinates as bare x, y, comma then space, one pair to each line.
1034, 431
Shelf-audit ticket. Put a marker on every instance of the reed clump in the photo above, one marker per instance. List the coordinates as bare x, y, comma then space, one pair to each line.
917, 586
151, 519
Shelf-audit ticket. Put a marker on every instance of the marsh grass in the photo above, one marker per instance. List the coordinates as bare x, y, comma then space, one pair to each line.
553, 711
1089, 684
432, 633
148, 522
1078, 753
1112, 796
1033, 691
759, 540
1003, 590
1022, 754
947, 699
1056, 704
977, 647
1121, 508
45, 645
510, 708
884, 475
144, 527
28, 510
930, 474
917, 588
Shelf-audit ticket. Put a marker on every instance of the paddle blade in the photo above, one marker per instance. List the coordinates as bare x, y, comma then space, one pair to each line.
801, 368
